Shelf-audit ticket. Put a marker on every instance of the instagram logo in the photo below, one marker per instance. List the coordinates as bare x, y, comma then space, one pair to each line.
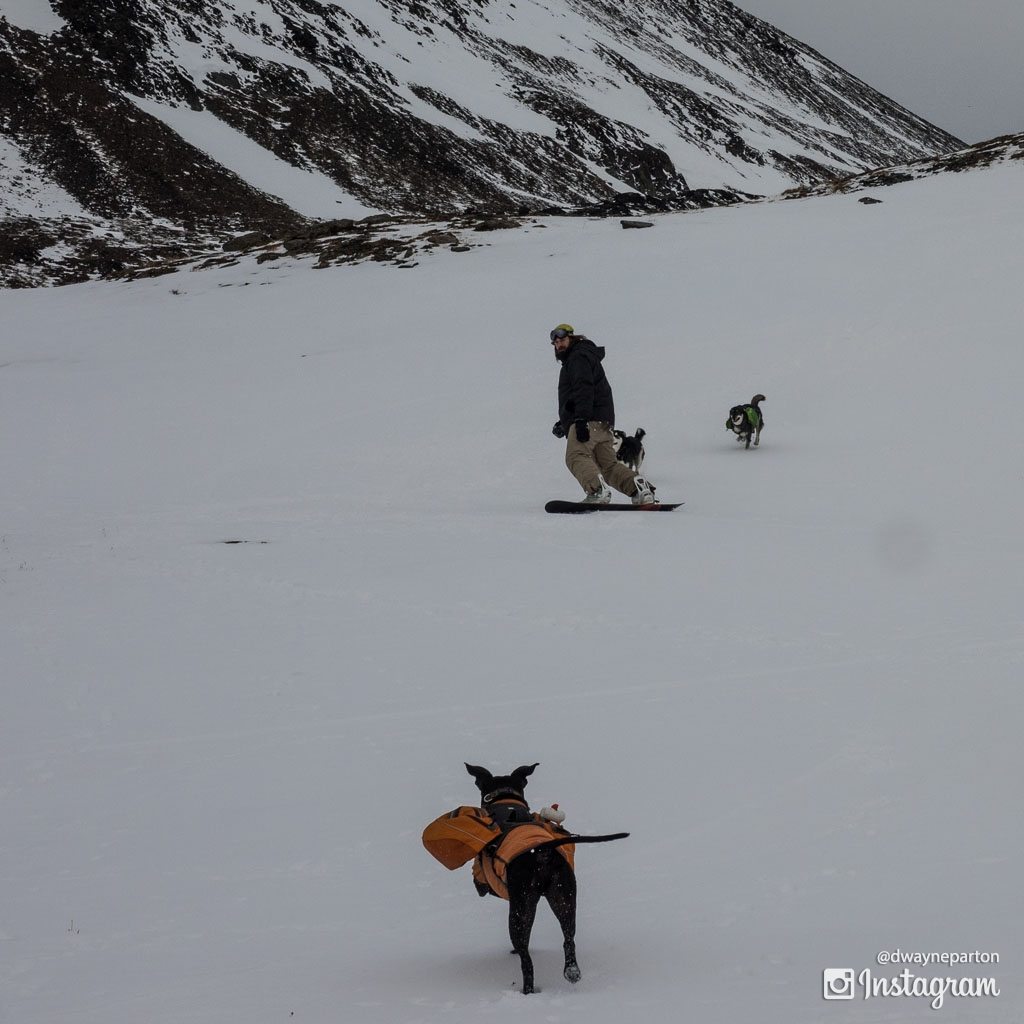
837, 982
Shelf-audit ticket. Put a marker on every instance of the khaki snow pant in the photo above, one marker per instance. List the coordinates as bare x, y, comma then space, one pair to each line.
587, 459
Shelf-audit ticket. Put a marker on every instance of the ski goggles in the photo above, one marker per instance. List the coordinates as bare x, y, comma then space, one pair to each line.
562, 331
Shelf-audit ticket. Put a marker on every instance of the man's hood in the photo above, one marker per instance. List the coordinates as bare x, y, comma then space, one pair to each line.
586, 347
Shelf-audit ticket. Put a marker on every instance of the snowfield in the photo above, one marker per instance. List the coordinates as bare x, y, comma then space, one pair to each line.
800, 692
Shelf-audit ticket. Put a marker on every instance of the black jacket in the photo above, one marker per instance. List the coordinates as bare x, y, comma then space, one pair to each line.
583, 390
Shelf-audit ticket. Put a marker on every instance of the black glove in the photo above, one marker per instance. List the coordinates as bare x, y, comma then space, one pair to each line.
582, 431
558, 430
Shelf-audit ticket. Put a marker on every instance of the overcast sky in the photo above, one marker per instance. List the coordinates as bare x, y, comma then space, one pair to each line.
956, 63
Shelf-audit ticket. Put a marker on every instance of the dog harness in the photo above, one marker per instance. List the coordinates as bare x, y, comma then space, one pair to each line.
522, 831
494, 839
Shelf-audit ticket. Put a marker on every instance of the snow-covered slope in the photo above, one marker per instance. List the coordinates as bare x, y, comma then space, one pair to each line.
991, 153
240, 113
800, 692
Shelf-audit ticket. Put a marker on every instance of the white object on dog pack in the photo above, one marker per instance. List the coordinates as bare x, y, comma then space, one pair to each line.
552, 813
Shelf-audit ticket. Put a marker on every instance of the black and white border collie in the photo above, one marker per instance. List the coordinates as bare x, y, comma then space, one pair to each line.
746, 421
630, 450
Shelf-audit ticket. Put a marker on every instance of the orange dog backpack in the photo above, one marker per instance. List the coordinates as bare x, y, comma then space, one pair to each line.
491, 865
458, 836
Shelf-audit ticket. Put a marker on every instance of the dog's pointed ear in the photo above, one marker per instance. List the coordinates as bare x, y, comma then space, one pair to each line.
521, 773
483, 777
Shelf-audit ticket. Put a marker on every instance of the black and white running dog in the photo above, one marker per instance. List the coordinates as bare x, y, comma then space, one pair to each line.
630, 450
746, 421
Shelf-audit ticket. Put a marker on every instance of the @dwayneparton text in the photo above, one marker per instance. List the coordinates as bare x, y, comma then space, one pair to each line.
899, 956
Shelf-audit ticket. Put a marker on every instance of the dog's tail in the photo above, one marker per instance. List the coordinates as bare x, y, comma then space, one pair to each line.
562, 840
756, 400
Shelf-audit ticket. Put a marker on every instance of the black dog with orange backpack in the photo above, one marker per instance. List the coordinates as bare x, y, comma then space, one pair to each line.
517, 856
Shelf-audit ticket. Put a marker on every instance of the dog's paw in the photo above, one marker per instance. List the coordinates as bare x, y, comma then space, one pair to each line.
572, 972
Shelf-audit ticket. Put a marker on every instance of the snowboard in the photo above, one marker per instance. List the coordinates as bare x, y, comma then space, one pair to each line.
579, 507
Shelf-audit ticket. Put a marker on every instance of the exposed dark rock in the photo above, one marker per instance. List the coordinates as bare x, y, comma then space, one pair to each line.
321, 229
441, 238
496, 224
101, 259
22, 241
637, 223
154, 272
250, 240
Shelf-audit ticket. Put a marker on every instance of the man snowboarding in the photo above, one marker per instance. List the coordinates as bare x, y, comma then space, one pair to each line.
586, 415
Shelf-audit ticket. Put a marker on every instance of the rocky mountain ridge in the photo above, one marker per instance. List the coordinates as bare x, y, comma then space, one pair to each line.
134, 131
1004, 149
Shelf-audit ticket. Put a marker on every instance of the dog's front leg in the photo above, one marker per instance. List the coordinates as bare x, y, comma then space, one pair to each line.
521, 913
757, 438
